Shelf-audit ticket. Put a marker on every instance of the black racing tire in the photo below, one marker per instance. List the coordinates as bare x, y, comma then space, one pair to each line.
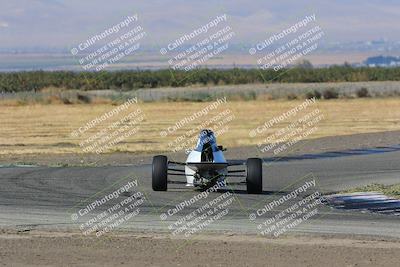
159, 173
254, 176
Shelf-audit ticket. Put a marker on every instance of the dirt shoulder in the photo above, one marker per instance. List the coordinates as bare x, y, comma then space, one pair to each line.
145, 249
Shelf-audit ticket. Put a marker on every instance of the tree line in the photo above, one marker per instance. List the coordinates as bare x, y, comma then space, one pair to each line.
135, 79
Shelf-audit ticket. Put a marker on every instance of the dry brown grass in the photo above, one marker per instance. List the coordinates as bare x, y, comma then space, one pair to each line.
47, 128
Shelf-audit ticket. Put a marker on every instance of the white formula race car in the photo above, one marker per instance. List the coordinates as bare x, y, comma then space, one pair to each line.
206, 166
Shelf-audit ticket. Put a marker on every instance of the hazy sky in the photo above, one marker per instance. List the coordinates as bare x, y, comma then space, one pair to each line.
63, 23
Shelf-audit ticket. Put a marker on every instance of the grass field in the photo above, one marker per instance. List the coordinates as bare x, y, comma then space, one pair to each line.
47, 128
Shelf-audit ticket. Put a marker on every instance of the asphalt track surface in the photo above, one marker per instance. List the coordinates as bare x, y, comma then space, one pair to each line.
50, 197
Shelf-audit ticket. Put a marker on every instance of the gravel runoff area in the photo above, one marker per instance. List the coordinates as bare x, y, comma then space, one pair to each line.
144, 249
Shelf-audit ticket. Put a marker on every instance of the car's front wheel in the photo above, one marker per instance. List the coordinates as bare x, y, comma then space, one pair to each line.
159, 173
254, 176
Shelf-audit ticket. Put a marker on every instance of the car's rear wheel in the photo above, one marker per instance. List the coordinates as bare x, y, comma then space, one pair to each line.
159, 173
254, 176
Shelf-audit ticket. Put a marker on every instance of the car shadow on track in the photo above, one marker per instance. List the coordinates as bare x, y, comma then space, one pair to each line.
266, 192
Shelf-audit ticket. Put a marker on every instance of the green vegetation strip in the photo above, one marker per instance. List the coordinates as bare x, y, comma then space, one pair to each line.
135, 79
388, 190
